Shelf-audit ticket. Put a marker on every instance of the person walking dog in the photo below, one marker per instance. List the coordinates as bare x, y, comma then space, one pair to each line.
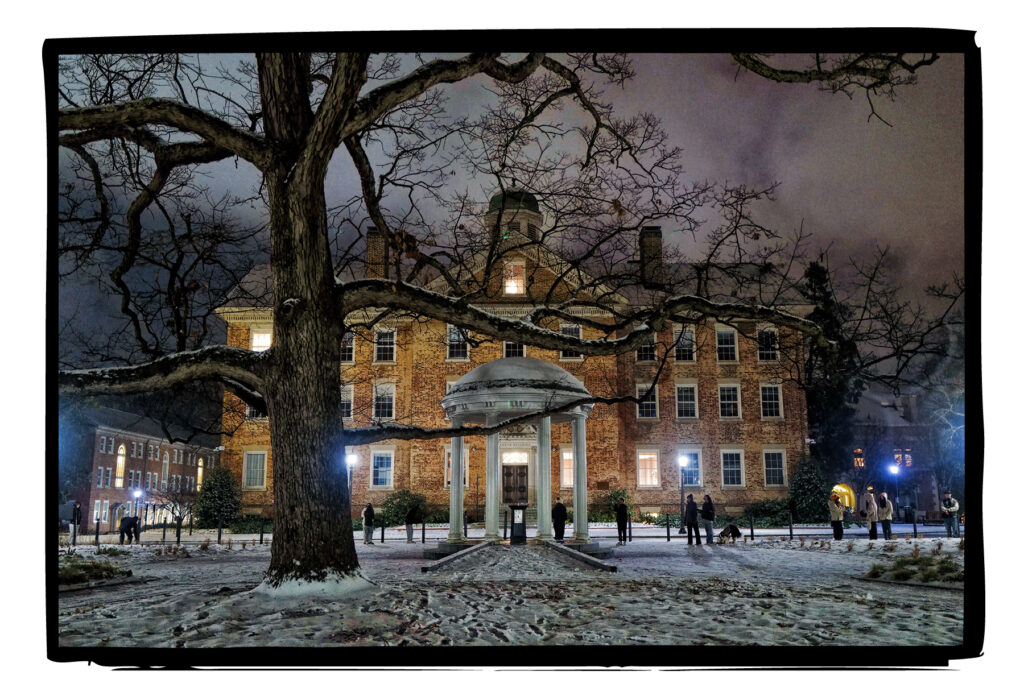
368, 524
885, 514
707, 518
950, 507
836, 514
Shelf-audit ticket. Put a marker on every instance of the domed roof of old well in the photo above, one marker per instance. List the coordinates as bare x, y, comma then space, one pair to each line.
514, 199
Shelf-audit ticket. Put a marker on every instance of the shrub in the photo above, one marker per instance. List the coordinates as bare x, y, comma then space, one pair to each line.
768, 513
809, 492
902, 574
110, 551
437, 516
250, 524
220, 498
929, 575
357, 524
604, 509
392, 512
79, 570
875, 571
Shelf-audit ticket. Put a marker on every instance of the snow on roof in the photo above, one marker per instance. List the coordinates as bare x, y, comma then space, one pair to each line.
113, 419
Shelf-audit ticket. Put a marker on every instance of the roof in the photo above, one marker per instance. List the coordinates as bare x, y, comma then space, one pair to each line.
113, 419
520, 373
883, 409
513, 199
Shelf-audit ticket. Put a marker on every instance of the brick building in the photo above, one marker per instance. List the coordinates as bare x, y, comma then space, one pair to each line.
720, 400
129, 454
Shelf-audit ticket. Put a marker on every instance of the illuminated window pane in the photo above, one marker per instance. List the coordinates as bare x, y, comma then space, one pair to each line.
567, 470
647, 468
515, 278
260, 340
255, 469
382, 469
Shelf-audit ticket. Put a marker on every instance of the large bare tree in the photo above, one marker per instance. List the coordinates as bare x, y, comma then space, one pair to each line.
136, 129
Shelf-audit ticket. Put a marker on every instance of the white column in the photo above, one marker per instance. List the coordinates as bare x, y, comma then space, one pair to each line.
455, 497
493, 485
581, 531
544, 478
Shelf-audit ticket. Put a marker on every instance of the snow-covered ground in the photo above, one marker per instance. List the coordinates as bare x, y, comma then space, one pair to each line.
769, 591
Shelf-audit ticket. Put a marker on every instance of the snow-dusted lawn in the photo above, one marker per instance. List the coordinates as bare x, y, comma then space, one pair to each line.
764, 592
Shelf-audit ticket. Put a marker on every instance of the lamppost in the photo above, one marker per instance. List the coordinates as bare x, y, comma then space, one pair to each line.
350, 460
683, 462
895, 471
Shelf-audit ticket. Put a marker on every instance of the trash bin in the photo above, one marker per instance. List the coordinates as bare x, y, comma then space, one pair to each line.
518, 535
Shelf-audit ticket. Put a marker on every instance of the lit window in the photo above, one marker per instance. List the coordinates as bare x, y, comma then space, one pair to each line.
647, 406
767, 344
384, 346
572, 330
567, 470
515, 278
165, 471
684, 344
382, 469
771, 401
858, 457
346, 402
255, 475
383, 401
728, 401
647, 474
199, 474
458, 346
646, 353
448, 466
726, 345
348, 347
732, 468
686, 401
691, 472
514, 350
260, 341
774, 468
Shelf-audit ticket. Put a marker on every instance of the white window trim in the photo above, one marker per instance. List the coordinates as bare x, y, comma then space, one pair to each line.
505, 276
260, 329
350, 388
97, 510
561, 356
382, 450
394, 400
653, 341
266, 458
447, 343
394, 346
760, 399
696, 401
692, 451
735, 343
640, 389
106, 510
739, 401
764, 467
743, 468
444, 463
353, 360
757, 336
679, 328
641, 449
563, 450
505, 345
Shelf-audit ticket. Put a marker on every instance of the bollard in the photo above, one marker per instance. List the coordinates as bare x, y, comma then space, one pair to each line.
220, 528
97, 532
751, 526
504, 526
382, 534
190, 525
262, 520
915, 526
465, 525
423, 532
163, 539
668, 529
791, 526
629, 523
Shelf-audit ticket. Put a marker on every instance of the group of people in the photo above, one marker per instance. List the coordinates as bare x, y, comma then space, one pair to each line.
874, 513
693, 520
413, 517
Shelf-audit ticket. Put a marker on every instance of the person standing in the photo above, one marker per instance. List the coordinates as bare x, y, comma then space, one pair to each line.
707, 517
949, 508
885, 514
836, 514
690, 518
622, 519
412, 518
135, 530
125, 527
558, 517
76, 521
368, 524
871, 514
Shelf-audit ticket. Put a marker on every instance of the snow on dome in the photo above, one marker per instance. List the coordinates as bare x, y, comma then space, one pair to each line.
519, 372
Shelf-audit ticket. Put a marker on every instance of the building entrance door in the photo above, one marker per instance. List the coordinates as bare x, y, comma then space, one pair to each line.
515, 477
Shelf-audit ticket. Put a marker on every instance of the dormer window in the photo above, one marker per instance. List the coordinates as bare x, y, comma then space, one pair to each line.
515, 278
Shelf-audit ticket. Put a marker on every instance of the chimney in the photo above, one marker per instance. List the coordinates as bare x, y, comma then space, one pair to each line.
651, 270
376, 254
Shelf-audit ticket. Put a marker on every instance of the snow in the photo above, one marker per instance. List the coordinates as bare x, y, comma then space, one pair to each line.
769, 591
335, 586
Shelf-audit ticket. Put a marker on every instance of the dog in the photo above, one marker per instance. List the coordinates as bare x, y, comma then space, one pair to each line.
730, 532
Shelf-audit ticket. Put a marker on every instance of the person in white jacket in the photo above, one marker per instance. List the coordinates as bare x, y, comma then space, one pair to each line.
950, 507
836, 514
885, 514
871, 514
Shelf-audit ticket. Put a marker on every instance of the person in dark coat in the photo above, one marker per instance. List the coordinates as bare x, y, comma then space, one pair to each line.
412, 518
622, 519
124, 527
707, 518
690, 518
368, 524
135, 530
558, 517
76, 521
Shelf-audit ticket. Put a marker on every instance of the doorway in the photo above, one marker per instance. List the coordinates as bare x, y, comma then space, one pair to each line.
515, 466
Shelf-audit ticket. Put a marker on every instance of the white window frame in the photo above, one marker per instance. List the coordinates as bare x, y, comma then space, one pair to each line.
735, 344
353, 335
676, 331
562, 357
447, 465
739, 401
651, 342
349, 391
743, 467
643, 450
448, 328
106, 511
696, 400
387, 386
390, 451
149, 480
640, 389
103, 444
260, 331
394, 345
692, 451
99, 479
760, 398
764, 466
245, 469
97, 510
110, 445
506, 344
507, 277
564, 451
110, 478
757, 341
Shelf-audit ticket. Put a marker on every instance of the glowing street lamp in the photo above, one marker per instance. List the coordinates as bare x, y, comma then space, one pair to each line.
351, 460
684, 461
895, 471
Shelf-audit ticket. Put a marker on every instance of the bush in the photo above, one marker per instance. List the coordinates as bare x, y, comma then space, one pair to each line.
809, 492
392, 512
768, 513
250, 524
110, 551
79, 570
437, 516
220, 498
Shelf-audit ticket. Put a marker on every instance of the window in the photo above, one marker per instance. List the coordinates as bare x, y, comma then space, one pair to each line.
767, 344
110, 445
646, 352
514, 350
574, 331
384, 346
449, 383
106, 509
458, 346
728, 401
515, 278
133, 450
684, 343
726, 345
156, 481
199, 474
251, 412
647, 406
858, 457
103, 443
771, 401
260, 340
109, 480
686, 401
96, 510
149, 480
99, 478
691, 472
774, 468
150, 451
448, 466
382, 468
348, 354
732, 467
255, 473
384, 401
566, 468
346, 402
647, 475
165, 470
